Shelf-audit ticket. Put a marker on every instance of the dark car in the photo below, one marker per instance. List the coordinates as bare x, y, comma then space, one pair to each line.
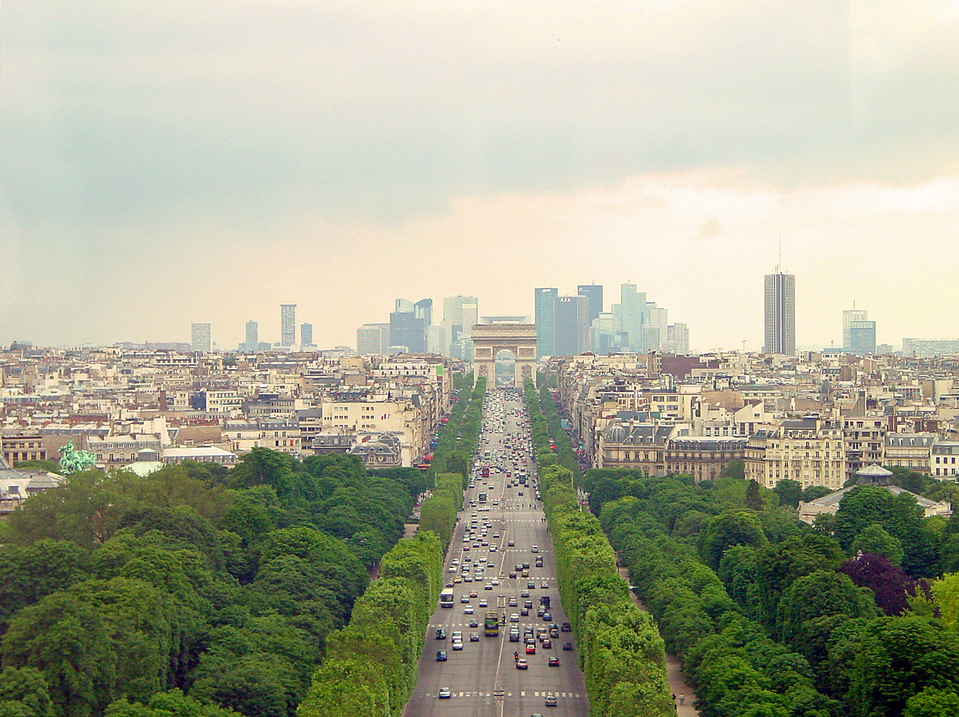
441, 656
554, 662
440, 633
550, 700
566, 627
567, 645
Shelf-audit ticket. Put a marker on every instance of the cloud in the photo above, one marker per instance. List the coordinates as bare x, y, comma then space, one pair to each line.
710, 228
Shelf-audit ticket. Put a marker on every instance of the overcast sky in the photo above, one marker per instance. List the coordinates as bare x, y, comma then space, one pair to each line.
180, 161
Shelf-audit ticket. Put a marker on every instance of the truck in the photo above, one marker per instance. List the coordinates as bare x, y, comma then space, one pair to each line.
491, 623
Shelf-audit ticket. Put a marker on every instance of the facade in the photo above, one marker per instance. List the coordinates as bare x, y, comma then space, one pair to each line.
848, 316
930, 348
908, 450
24, 447
306, 334
201, 337
594, 297
677, 339
862, 338
287, 324
544, 300
944, 460
806, 450
703, 458
779, 313
373, 339
570, 325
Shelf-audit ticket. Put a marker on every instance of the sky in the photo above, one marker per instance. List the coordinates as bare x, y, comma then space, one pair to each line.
177, 162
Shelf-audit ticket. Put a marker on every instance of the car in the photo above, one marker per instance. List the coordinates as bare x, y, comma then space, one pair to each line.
547, 644
514, 637
512, 574
513, 602
534, 549
530, 649
522, 664
473, 593
495, 535
457, 644
457, 635
440, 633
474, 623
468, 610
451, 569
514, 617
474, 637
544, 585
449, 584
511, 543
547, 617
488, 586
524, 594
567, 646
441, 656
531, 585
445, 693
554, 662
457, 580
495, 581
524, 612
566, 627
550, 700
484, 603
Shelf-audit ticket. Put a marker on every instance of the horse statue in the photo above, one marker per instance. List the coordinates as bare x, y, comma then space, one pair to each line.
73, 461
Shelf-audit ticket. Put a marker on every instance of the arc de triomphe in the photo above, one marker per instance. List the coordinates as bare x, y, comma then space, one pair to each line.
490, 339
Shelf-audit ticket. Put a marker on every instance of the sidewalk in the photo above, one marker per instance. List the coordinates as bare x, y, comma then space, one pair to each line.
674, 673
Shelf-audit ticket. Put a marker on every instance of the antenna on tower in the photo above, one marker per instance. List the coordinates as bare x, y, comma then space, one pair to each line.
779, 264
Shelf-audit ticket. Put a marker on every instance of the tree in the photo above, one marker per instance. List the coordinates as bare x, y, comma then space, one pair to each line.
68, 642
24, 692
753, 500
789, 492
932, 703
874, 539
898, 658
34, 571
820, 594
728, 529
889, 584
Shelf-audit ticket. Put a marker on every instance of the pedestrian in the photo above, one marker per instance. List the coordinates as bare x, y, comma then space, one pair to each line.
682, 697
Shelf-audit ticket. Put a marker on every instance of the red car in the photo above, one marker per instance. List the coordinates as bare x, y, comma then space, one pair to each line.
531, 649
554, 662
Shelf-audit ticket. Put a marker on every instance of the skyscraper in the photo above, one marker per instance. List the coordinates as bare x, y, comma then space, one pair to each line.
460, 314
287, 324
862, 338
779, 312
306, 334
570, 325
594, 294
545, 317
423, 309
201, 337
252, 337
373, 339
848, 316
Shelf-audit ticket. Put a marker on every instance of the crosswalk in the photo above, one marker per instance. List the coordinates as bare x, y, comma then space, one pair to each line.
559, 695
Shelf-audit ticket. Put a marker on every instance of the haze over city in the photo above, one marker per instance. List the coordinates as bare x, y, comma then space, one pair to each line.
181, 162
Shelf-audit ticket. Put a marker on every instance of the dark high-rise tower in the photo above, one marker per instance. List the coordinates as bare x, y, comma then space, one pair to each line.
779, 312
594, 294
571, 327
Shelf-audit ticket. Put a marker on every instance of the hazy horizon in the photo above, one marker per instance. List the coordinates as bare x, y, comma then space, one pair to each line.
186, 162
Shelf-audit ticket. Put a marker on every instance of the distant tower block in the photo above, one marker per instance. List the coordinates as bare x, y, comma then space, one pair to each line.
287, 324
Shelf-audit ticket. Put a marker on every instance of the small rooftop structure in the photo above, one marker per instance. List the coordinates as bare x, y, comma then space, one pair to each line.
874, 475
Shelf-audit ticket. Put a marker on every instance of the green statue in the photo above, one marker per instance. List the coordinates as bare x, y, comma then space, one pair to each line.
73, 461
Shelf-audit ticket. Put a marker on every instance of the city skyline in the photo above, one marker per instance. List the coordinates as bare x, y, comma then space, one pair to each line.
342, 154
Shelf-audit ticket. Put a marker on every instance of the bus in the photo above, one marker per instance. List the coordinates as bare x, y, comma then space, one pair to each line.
446, 598
482, 497
491, 623
485, 472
